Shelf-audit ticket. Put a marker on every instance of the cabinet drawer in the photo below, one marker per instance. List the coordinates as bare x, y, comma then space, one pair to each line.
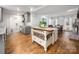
39, 41
41, 32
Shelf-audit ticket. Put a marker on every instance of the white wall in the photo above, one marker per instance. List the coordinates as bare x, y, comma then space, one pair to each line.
6, 19
37, 18
62, 20
16, 22
7, 16
56, 20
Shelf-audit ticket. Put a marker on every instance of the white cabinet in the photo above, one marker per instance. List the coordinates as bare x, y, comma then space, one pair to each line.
2, 46
2, 39
0, 14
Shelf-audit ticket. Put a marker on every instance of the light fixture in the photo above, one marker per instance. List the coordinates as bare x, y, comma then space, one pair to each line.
31, 9
71, 10
18, 9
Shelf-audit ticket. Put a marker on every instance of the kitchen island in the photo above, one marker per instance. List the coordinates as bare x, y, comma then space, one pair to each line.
44, 36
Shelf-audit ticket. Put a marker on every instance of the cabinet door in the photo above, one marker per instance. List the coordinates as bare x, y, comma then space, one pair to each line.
1, 44
0, 14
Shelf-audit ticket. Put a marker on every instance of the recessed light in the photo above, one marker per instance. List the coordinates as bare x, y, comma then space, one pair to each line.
18, 9
31, 9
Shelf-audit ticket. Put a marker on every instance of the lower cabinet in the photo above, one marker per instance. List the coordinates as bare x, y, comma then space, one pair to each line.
1, 45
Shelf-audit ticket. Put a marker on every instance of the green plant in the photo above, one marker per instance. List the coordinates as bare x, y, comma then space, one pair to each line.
42, 23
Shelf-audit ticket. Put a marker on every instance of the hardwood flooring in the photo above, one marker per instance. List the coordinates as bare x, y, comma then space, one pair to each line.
18, 43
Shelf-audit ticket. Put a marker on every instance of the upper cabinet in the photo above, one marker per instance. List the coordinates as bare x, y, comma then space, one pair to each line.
1, 15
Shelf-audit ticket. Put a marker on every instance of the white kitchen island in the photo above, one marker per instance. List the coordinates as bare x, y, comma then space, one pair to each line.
44, 36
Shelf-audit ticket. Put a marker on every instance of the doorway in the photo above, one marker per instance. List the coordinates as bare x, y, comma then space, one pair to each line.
16, 23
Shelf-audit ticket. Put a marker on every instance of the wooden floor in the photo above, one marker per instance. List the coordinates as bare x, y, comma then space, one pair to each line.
19, 43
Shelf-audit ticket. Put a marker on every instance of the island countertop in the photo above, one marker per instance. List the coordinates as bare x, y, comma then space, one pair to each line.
44, 29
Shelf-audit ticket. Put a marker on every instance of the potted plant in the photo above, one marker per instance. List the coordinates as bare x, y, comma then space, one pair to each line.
42, 23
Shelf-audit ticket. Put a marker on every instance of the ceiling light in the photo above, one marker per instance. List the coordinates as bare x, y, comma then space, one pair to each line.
71, 10
18, 9
31, 9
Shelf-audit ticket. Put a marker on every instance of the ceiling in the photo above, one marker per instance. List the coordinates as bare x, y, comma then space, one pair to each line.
41, 9
19, 8
57, 9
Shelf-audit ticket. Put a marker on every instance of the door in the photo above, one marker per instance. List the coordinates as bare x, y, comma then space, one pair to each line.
16, 23
68, 23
